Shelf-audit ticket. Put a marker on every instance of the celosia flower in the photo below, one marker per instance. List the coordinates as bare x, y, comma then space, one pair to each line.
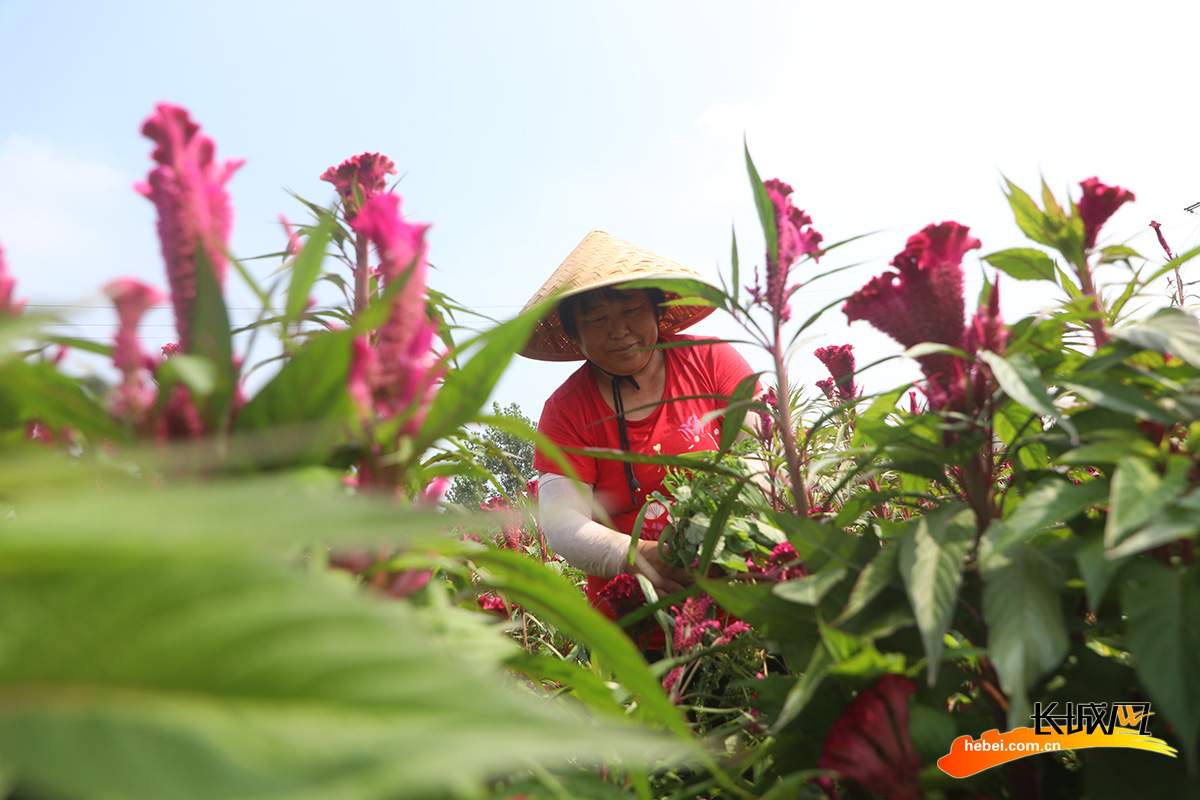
923, 300
358, 179
8, 285
132, 299
794, 237
1162, 241
403, 375
531, 488
169, 349
624, 594
870, 744
492, 604
766, 418
1098, 203
782, 565
188, 190
181, 418
839, 360
435, 491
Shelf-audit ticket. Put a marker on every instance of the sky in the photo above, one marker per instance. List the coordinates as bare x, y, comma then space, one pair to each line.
518, 127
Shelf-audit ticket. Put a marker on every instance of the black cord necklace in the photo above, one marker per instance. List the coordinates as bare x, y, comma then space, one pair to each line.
619, 406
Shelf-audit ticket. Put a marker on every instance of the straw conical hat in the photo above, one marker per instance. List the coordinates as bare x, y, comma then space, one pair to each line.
602, 259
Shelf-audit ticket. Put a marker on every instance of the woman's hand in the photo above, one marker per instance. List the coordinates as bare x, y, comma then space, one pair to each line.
666, 578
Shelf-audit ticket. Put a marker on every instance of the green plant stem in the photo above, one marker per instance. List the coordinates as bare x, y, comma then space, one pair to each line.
786, 432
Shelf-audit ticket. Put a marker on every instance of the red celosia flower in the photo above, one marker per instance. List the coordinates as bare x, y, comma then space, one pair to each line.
169, 349
923, 301
188, 189
839, 360
403, 374
870, 745
8, 284
794, 237
132, 299
1098, 203
531, 488
493, 604
782, 565
624, 594
358, 179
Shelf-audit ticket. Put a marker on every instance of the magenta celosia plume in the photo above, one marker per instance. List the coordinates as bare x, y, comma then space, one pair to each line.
839, 360
923, 300
870, 743
132, 299
1098, 203
358, 179
795, 237
194, 214
8, 285
402, 376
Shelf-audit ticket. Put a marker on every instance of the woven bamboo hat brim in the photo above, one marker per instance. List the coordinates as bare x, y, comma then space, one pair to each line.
602, 259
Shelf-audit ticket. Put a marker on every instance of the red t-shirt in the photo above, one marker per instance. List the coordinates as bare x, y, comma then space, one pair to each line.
576, 415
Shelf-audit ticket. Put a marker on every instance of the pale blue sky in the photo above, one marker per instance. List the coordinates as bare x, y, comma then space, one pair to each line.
521, 126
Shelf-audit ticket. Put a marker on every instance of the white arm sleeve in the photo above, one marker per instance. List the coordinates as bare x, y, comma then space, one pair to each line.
566, 512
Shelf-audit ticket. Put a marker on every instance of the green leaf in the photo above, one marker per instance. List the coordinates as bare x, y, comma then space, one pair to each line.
766, 209
1029, 218
931, 561
811, 589
1119, 397
196, 682
879, 573
1117, 252
465, 390
1162, 605
1139, 492
1168, 330
40, 392
739, 404
306, 268
1027, 636
210, 338
304, 409
1180, 519
1023, 264
1052, 502
1021, 380
197, 373
1096, 570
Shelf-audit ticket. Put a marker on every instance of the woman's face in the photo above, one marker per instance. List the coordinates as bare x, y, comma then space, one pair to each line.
614, 335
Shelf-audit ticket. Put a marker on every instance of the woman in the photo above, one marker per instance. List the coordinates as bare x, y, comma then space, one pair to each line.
629, 395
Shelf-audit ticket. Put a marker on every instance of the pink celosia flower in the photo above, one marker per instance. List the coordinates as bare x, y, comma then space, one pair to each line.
923, 301
294, 245
132, 298
403, 374
839, 360
188, 189
766, 418
1098, 203
8, 285
794, 237
169, 349
358, 179
362, 369
435, 491
1162, 241
181, 418
870, 745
